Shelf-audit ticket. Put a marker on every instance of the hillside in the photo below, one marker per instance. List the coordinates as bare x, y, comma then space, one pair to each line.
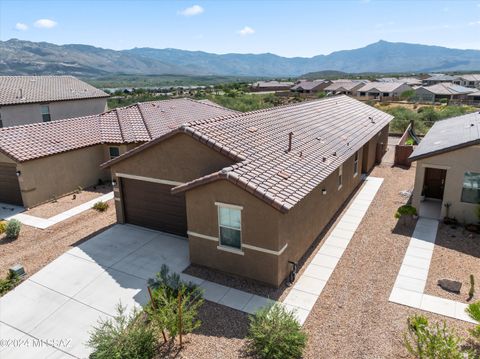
24, 57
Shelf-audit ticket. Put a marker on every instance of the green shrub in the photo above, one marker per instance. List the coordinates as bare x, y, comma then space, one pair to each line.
473, 310
436, 341
405, 211
13, 229
275, 333
3, 226
100, 206
123, 337
170, 296
10, 282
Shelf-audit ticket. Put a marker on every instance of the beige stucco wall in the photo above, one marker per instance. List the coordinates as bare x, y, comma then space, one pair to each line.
14, 115
456, 163
5, 159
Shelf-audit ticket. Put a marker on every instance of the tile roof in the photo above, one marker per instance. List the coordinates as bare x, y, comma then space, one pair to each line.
345, 85
470, 77
308, 85
141, 122
448, 135
448, 88
381, 86
441, 77
325, 133
30, 89
267, 84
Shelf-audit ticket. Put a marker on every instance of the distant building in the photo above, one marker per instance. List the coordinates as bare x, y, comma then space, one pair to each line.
474, 98
448, 91
30, 99
470, 80
440, 78
382, 91
314, 86
411, 81
344, 87
260, 86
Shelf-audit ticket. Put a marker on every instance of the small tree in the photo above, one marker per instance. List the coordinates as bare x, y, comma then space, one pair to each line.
407, 95
275, 333
405, 211
473, 310
13, 229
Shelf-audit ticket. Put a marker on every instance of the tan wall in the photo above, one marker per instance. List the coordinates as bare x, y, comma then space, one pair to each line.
6, 159
456, 163
179, 158
15, 115
381, 137
260, 225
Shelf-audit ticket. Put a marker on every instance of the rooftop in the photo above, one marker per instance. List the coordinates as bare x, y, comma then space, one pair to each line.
138, 123
308, 85
16, 90
448, 88
448, 135
346, 85
381, 86
273, 84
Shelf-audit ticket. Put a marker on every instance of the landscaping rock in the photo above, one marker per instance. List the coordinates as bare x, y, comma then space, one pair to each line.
450, 285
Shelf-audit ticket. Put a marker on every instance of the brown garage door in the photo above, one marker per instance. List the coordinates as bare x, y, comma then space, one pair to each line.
151, 205
9, 186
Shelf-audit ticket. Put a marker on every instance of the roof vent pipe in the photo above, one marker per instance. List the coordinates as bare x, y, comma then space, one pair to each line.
290, 137
21, 93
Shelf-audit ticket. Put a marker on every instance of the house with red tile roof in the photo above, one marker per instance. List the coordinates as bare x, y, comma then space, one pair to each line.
252, 191
32, 99
42, 161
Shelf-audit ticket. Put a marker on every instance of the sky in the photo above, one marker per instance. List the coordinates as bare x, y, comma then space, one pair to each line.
287, 28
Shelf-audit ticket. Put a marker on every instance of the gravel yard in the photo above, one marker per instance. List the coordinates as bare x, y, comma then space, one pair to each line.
455, 257
65, 203
35, 248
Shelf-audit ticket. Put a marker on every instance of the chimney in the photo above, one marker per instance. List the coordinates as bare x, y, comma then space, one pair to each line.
290, 137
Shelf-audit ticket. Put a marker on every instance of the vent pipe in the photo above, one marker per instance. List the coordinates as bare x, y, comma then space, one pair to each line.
290, 137
21, 93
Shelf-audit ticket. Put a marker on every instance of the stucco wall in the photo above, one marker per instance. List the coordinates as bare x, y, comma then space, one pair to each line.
456, 163
6, 159
370, 160
14, 115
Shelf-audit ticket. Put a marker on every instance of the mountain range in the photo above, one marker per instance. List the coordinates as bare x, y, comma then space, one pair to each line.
18, 57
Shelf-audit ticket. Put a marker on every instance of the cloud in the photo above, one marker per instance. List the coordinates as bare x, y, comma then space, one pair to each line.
474, 23
247, 30
20, 26
192, 10
45, 23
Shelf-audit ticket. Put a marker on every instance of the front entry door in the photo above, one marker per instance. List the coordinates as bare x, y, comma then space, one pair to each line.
434, 182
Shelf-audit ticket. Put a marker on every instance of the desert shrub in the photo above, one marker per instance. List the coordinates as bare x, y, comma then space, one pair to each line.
3, 226
13, 229
473, 310
405, 211
275, 333
407, 95
79, 190
8, 283
124, 336
100, 206
170, 297
436, 341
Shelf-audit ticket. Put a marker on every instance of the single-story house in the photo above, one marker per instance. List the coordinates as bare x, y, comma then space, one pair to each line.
448, 169
31, 99
444, 90
382, 91
411, 81
252, 191
347, 87
474, 98
264, 86
45, 160
470, 80
440, 78
307, 86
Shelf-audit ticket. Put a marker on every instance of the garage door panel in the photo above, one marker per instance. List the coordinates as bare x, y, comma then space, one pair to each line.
152, 205
9, 186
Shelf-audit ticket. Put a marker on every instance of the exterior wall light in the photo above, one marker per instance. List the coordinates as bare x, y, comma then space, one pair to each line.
324, 191
114, 182
18, 173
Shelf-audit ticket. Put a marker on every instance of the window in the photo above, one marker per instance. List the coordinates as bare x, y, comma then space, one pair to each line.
45, 113
471, 187
229, 222
340, 173
362, 94
355, 165
114, 152
386, 94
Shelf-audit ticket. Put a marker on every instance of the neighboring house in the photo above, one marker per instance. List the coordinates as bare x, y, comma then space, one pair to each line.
45, 160
271, 86
344, 87
448, 169
470, 80
252, 191
307, 86
411, 81
32, 99
473, 98
382, 91
440, 78
447, 91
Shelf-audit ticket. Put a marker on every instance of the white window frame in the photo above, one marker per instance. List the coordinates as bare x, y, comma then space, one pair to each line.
340, 177
220, 245
355, 164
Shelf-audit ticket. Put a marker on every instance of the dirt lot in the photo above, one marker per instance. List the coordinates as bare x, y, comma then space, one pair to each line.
65, 203
455, 257
35, 248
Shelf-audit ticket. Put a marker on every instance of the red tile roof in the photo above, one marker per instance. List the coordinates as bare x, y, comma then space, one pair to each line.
325, 133
138, 123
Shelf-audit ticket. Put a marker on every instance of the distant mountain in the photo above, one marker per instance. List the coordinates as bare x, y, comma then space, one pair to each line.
24, 57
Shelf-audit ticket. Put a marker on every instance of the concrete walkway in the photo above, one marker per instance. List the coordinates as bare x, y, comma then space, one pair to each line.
411, 280
309, 286
62, 302
43, 223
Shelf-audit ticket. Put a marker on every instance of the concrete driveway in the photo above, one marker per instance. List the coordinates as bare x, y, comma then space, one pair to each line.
62, 302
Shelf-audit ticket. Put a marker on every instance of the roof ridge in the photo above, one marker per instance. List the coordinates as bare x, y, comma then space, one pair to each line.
119, 124
142, 116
